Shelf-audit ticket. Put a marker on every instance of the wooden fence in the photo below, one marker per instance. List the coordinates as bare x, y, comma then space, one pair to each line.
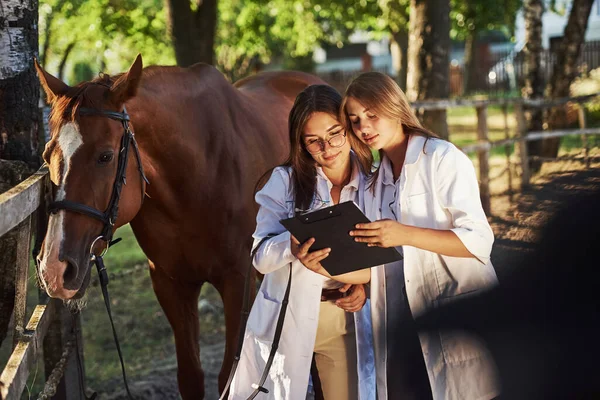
484, 145
52, 331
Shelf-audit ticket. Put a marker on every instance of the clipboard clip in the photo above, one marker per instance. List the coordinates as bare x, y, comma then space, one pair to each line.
307, 219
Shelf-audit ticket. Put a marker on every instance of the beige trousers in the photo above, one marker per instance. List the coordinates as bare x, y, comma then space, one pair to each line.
335, 353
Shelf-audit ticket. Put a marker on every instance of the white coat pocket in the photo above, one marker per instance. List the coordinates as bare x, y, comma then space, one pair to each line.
263, 317
460, 346
419, 209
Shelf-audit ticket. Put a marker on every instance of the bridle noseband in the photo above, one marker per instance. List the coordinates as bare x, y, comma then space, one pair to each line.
109, 216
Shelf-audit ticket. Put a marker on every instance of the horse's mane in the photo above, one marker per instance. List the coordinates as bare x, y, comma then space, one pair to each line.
67, 104
65, 107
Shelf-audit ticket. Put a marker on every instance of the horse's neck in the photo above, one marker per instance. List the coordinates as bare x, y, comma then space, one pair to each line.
190, 130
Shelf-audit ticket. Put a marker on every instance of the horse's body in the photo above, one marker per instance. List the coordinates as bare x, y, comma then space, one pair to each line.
203, 144
197, 224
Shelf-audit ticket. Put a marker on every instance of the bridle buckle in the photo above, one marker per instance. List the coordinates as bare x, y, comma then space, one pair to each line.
93, 256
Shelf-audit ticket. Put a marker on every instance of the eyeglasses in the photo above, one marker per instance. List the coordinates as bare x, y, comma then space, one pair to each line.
318, 145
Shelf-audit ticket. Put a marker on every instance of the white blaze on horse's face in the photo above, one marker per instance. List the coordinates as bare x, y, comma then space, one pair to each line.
69, 140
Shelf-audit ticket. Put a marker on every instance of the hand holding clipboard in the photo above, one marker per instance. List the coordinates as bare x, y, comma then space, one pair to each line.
330, 228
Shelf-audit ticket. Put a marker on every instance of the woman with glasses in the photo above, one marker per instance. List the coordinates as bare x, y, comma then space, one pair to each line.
424, 199
320, 324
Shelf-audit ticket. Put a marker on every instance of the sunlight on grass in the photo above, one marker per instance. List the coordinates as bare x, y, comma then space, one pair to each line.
126, 253
144, 332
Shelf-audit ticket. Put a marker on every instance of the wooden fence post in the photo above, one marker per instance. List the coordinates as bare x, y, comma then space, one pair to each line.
522, 145
507, 152
22, 267
59, 332
483, 155
584, 138
16, 208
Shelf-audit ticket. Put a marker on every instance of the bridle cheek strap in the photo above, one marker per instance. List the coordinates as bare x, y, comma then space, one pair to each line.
109, 216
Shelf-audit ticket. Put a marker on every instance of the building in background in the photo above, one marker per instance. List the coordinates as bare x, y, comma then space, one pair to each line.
338, 65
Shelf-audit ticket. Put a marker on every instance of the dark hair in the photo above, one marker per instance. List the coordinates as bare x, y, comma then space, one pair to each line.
313, 99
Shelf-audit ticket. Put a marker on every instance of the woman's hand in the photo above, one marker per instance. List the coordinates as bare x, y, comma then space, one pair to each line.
390, 233
382, 233
311, 260
355, 300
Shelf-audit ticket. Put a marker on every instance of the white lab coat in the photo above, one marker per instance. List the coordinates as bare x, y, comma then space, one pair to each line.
289, 374
439, 190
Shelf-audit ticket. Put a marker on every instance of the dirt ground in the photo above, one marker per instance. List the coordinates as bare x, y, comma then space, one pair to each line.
516, 224
517, 227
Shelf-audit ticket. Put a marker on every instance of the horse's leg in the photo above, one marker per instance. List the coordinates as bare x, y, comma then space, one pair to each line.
231, 289
180, 303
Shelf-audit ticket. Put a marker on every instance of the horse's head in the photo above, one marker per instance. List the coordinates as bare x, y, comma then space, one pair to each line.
90, 140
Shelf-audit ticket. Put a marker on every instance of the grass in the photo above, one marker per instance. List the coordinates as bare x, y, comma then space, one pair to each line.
462, 125
144, 333
469, 112
125, 253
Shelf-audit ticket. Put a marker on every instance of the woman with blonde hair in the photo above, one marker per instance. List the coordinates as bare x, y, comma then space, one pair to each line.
424, 199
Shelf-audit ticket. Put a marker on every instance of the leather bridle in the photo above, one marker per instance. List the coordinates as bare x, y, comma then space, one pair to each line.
108, 217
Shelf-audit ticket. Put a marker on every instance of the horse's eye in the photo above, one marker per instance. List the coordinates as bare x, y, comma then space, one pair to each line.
105, 158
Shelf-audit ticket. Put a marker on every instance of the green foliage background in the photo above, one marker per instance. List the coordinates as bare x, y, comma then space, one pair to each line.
107, 34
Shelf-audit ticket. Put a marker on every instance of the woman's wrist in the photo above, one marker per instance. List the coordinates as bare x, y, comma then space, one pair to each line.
406, 235
323, 271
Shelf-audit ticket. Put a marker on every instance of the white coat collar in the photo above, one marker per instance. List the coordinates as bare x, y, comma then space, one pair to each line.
354, 177
385, 170
414, 148
414, 151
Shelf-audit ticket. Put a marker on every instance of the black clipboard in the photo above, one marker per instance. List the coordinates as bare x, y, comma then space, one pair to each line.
331, 228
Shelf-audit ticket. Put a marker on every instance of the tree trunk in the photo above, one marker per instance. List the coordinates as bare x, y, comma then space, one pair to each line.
48, 37
20, 122
469, 73
48, 31
534, 76
63, 61
192, 32
399, 50
565, 69
20, 117
428, 58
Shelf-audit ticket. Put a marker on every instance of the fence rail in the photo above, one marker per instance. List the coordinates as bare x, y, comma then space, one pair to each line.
527, 103
50, 322
484, 145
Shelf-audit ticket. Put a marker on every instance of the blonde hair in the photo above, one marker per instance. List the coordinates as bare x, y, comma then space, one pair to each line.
383, 96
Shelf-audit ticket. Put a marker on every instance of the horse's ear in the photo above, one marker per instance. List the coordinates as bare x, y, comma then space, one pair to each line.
126, 86
53, 87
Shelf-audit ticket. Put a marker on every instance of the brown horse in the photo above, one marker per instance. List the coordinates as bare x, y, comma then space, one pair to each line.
203, 144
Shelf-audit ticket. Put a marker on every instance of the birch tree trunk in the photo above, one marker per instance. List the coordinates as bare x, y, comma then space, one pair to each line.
20, 122
20, 117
